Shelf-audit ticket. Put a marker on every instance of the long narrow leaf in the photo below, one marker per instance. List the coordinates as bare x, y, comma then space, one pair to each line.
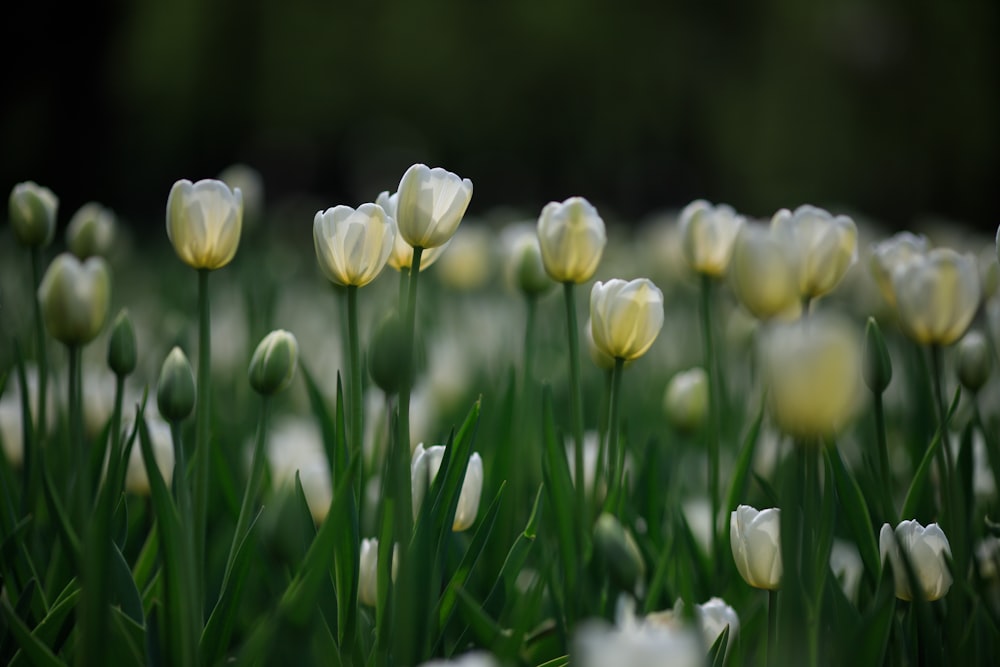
856, 512
915, 492
37, 652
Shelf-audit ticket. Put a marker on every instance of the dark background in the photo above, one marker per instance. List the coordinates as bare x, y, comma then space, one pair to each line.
889, 108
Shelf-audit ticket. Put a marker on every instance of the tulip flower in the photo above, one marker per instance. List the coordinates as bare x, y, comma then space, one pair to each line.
424, 468
937, 295
91, 231
825, 247
352, 246
74, 297
571, 236
431, 205
686, 399
273, 364
368, 570
401, 256
975, 361
714, 616
926, 550
625, 317
524, 267
33, 211
708, 233
763, 275
892, 253
756, 542
204, 221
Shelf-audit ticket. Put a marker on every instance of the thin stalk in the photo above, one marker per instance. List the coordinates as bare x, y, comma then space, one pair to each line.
404, 511
181, 485
576, 407
531, 303
404, 282
885, 481
713, 426
357, 407
945, 452
76, 441
203, 426
772, 627
40, 352
616, 453
252, 488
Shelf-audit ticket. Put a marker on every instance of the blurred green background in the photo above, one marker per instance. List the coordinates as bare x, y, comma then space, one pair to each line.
889, 107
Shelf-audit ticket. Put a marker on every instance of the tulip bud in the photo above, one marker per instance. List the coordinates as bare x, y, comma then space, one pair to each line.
625, 317
825, 247
756, 541
74, 297
401, 256
619, 552
175, 393
122, 355
714, 617
33, 214
368, 570
91, 231
352, 246
204, 221
975, 361
925, 549
877, 366
708, 234
892, 253
937, 296
686, 400
424, 468
763, 275
431, 205
525, 270
273, 364
571, 237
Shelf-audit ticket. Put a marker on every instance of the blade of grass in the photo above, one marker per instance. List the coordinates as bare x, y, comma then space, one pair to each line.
915, 492
856, 513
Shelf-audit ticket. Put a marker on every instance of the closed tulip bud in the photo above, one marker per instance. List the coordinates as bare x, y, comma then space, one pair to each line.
272, 366
401, 256
572, 237
763, 275
33, 211
937, 296
619, 552
424, 468
686, 400
74, 297
524, 267
625, 317
368, 570
975, 361
925, 550
176, 392
756, 541
877, 366
91, 231
825, 247
122, 355
352, 246
204, 221
813, 372
714, 617
431, 205
708, 233
892, 253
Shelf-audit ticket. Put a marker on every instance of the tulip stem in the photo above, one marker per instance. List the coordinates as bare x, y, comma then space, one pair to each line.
79, 455
616, 453
257, 462
181, 487
576, 407
203, 425
531, 301
357, 406
404, 507
41, 355
772, 627
945, 451
888, 509
712, 430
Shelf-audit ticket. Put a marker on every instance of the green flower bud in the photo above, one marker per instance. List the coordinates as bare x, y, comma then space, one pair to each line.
877, 366
33, 214
91, 231
686, 400
387, 353
974, 361
74, 297
273, 364
176, 392
619, 552
121, 347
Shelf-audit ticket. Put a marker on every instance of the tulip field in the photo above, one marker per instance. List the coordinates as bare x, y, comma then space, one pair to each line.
434, 435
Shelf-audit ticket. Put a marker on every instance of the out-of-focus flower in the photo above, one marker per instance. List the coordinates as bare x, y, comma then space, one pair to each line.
813, 371
91, 231
204, 221
469, 265
892, 253
401, 256
176, 391
122, 352
847, 567
250, 183
714, 616
295, 445
424, 468
160, 439
763, 275
368, 570
876, 368
33, 211
686, 399
937, 295
756, 542
274, 361
637, 643
620, 553
572, 237
975, 361
431, 205
825, 247
601, 359
625, 317
524, 267
11, 431
708, 234
926, 550
473, 659
353, 245
75, 296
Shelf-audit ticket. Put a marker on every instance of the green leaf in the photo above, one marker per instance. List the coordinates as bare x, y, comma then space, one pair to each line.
123, 589
561, 661
915, 492
717, 653
347, 547
737, 487
36, 651
856, 513
559, 486
48, 630
487, 631
334, 455
128, 641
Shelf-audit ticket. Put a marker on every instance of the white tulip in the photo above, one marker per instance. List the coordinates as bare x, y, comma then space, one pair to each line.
353, 245
708, 233
756, 542
926, 550
431, 205
424, 468
572, 237
204, 222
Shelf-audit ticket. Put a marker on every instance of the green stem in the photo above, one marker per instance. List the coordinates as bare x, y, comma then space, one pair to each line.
772, 628
945, 451
41, 354
203, 426
616, 453
576, 407
712, 430
404, 282
531, 301
885, 473
181, 486
79, 455
357, 405
404, 506
257, 463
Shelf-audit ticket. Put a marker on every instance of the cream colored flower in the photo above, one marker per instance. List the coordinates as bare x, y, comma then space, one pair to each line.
937, 295
926, 550
469, 265
762, 274
204, 221
424, 467
625, 317
401, 256
708, 233
431, 205
368, 570
33, 211
523, 260
352, 246
572, 237
892, 253
91, 231
686, 399
75, 297
825, 247
756, 542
